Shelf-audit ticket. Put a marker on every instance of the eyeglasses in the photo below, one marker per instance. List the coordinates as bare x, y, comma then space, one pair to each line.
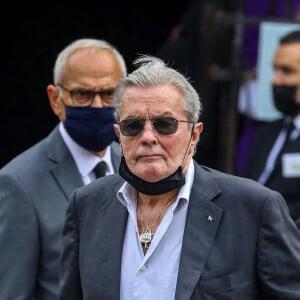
83, 97
163, 125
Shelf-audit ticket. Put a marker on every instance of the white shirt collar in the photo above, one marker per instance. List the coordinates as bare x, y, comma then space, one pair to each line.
84, 159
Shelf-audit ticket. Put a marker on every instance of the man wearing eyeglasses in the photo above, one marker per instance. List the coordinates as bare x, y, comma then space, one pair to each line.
166, 228
35, 187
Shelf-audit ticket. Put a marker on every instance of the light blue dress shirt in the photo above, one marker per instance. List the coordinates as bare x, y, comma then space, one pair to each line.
153, 275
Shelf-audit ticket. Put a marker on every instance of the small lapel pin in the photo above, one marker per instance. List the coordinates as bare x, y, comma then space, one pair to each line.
210, 218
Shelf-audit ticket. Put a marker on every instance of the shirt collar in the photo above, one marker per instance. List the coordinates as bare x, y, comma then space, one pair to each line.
84, 159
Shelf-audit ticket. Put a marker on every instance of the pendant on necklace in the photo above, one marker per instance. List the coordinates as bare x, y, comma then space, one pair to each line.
146, 237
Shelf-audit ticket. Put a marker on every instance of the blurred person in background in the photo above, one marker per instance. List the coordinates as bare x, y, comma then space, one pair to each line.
274, 158
35, 187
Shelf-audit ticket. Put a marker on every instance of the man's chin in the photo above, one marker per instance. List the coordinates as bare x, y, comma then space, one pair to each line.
150, 174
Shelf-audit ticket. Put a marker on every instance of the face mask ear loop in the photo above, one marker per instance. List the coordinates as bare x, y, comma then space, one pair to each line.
188, 144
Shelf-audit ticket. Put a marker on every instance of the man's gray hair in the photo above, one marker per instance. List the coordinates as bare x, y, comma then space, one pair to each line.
63, 56
152, 71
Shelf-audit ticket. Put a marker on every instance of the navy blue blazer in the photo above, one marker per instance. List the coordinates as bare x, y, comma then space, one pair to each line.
250, 251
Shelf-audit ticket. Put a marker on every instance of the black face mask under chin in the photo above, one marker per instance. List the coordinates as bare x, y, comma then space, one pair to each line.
165, 185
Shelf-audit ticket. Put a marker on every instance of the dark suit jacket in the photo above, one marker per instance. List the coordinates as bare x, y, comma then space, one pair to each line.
262, 145
250, 251
34, 191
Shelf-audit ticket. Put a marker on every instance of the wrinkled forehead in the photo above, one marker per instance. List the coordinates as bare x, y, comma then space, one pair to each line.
151, 101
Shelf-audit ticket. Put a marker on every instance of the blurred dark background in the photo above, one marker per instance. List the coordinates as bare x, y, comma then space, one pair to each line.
204, 39
34, 33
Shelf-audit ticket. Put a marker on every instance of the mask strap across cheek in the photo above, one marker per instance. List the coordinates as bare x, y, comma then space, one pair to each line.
186, 151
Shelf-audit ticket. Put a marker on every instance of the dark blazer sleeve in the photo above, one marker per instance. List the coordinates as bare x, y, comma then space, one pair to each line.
19, 243
69, 283
278, 251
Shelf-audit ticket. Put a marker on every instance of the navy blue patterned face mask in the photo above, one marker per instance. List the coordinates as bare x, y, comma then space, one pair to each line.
90, 127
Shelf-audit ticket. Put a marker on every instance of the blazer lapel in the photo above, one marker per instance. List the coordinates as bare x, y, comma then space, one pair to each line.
114, 219
63, 168
203, 218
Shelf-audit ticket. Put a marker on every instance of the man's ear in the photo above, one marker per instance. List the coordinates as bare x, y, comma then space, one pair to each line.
198, 128
55, 101
117, 130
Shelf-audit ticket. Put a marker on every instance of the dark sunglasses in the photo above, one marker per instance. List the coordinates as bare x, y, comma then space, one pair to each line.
163, 125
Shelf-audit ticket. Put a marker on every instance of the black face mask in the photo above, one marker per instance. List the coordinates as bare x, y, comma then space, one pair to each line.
165, 185
285, 99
